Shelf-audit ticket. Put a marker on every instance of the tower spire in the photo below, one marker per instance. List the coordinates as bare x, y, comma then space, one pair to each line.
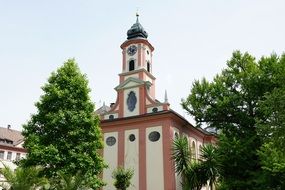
137, 15
165, 97
137, 31
104, 107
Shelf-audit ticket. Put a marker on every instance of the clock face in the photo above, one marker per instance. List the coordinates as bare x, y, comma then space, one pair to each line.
131, 101
132, 50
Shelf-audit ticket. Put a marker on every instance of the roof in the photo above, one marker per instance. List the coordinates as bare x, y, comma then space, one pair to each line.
7, 134
135, 81
102, 110
137, 30
177, 115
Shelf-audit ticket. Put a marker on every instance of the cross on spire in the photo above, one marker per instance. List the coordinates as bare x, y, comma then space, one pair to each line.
137, 15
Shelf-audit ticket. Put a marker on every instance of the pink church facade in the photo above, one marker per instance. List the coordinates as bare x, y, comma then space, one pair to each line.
138, 129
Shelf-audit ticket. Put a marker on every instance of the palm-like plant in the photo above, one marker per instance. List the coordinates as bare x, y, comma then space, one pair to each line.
181, 155
191, 171
210, 161
122, 178
22, 178
195, 174
65, 181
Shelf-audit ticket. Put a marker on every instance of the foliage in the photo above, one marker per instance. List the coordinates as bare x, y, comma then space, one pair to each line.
211, 163
232, 104
181, 154
122, 178
64, 134
195, 174
22, 178
273, 165
68, 182
272, 130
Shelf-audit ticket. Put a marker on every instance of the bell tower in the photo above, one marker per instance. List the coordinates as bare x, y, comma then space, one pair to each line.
136, 89
137, 56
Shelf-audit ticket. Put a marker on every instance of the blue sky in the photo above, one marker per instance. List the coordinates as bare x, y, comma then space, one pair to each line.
192, 39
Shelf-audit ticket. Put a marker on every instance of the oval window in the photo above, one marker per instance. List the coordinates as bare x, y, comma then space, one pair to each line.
111, 116
154, 110
154, 136
131, 101
132, 137
110, 141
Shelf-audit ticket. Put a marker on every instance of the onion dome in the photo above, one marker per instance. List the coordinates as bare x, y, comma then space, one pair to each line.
137, 31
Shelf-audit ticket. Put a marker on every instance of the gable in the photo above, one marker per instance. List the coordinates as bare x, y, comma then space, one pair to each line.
129, 83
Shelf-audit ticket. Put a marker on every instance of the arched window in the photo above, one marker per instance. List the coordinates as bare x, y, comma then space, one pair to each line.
131, 65
193, 150
200, 150
148, 66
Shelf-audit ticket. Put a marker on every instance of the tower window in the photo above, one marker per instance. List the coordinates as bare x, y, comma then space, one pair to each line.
131, 65
148, 66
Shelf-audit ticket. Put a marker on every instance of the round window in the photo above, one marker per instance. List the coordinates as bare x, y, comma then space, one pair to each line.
154, 136
111, 116
132, 137
154, 110
110, 141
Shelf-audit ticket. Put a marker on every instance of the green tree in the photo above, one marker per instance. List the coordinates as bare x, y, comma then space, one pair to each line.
22, 178
273, 165
272, 130
122, 178
231, 105
64, 134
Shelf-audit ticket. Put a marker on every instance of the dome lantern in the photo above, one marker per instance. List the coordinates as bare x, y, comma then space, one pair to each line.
137, 30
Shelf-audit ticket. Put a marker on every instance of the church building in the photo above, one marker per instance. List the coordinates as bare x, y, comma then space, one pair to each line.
138, 129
